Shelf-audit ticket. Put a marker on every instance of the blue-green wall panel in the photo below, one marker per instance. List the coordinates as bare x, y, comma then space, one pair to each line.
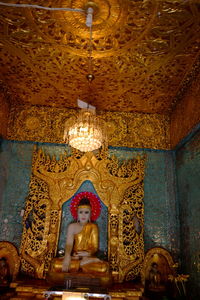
15, 171
188, 181
161, 212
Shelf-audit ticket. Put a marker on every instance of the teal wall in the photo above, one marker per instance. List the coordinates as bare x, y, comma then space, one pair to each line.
15, 171
188, 183
161, 219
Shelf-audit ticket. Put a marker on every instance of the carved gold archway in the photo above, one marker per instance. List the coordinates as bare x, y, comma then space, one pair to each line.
53, 182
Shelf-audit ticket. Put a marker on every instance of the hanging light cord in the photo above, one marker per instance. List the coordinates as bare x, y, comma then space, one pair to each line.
90, 76
89, 19
42, 7
90, 52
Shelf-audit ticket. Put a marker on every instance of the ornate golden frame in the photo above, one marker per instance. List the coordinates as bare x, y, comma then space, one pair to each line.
53, 182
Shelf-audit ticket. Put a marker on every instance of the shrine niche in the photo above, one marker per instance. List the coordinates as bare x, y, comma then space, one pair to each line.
119, 186
9, 262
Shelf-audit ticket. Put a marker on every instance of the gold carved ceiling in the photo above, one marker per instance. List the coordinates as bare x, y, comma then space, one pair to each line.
142, 54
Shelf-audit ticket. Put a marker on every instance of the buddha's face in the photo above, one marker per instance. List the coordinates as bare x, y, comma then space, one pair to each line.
84, 214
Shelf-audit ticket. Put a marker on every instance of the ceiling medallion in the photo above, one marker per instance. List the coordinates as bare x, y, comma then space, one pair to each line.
117, 25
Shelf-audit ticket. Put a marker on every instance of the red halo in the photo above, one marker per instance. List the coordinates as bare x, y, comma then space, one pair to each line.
94, 202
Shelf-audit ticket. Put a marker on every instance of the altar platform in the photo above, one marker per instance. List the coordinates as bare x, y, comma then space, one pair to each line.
41, 289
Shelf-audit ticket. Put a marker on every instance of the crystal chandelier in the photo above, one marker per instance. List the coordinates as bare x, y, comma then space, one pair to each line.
87, 133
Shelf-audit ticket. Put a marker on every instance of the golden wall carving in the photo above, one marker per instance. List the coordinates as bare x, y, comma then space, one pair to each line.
53, 182
42, 124
142, 51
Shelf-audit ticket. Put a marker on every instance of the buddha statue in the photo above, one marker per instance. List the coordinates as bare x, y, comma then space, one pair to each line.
154, 276
82, 245
4, 272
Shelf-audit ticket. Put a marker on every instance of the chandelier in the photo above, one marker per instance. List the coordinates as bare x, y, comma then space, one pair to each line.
87, 133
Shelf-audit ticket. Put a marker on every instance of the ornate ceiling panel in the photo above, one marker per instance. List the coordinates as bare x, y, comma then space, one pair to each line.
142, 52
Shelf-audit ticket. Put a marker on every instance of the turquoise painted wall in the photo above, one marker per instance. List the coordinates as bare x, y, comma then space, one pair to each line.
15, 171
161, 217
188, 182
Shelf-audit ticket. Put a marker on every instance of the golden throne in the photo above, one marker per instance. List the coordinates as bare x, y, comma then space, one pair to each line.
55, 181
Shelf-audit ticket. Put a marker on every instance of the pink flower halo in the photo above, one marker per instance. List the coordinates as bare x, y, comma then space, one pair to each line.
94, 202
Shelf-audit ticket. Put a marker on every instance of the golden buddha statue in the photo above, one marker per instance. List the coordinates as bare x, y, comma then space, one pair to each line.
81, 246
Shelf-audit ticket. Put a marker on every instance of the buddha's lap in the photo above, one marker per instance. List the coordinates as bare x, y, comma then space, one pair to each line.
91, 267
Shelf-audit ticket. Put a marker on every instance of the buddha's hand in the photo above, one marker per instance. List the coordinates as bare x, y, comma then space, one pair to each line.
66, 263
83, 253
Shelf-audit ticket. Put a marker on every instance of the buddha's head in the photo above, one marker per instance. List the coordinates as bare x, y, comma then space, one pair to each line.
84, 211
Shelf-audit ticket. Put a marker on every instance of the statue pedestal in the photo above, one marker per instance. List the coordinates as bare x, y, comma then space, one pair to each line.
40, 289
75, 280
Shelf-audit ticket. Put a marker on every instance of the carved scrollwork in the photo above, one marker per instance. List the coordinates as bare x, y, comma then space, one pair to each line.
36, 223
131, 230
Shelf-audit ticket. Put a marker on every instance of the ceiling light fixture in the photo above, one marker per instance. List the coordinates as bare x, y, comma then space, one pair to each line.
87, 133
